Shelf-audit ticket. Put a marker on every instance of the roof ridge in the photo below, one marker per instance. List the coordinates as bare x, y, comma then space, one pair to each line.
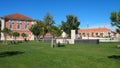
17, 16
93, 29
96, 28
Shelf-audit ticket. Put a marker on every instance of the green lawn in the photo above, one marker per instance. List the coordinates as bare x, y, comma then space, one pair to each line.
40, 55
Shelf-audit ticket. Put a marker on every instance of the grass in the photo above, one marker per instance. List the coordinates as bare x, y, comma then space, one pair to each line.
35, 54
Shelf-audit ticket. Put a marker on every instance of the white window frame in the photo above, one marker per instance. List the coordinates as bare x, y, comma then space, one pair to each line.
11, 24
19, 24
25, 24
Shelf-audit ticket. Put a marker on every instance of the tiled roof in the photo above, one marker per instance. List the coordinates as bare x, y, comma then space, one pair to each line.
17, 16
93, 30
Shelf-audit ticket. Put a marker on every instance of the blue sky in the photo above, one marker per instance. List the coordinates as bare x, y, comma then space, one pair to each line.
95, 13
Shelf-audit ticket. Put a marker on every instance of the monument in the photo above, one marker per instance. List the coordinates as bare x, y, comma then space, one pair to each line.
65, 40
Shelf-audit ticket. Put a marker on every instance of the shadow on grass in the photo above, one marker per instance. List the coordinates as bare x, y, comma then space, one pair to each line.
61, 45
114, 56
10, 53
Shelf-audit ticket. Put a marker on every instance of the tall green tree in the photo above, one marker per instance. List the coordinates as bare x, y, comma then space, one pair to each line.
115, 20
53, 30
43, 27
47, 23
6, 32
36, 29
72, 23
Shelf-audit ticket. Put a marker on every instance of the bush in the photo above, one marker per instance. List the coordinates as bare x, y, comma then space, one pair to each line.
20, 42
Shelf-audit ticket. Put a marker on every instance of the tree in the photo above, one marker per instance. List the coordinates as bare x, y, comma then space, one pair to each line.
55, 31
72, 23
6, 31
48, 20
47, 23
115, 20
43, 27
24, 35
16, 34
36, 29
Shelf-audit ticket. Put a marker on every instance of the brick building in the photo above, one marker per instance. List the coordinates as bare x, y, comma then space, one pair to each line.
96, 32
17, 23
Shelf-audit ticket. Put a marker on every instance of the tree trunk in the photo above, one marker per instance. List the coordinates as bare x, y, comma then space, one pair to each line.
37, 38
43, 37
5, 42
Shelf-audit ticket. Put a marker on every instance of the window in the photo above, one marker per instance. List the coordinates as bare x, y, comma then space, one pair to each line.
92, 34
26, 25
11, 24
18, 24
18, 36
10, 36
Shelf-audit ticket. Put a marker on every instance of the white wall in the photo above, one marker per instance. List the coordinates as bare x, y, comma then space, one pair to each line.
73, 35
2, 27
65, 41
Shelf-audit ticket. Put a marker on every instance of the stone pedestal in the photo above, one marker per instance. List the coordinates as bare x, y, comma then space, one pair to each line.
73, 35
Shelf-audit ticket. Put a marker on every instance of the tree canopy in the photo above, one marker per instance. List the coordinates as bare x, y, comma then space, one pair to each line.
115, 20
16, 34
24, 35
36, 29
48, 20
6, 31
55, 31
72, 23
47, 23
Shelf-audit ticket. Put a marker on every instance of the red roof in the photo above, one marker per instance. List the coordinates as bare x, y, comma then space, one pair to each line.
93, 30
17, 16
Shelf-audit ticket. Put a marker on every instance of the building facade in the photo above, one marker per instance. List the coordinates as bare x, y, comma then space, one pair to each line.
17, 23
96, 32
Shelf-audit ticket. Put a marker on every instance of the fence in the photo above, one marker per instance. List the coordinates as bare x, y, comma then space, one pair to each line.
86, 41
